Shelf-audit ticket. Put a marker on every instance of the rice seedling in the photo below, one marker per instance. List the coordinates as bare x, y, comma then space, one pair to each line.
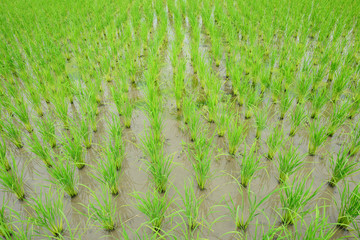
289, 161
47, 131
35, 99
108, 174
194, 125
179, 84
274, 142
349, 206
61, 109
222, 118
103, 210
201, 152
40, 149
189, 108
250, 164
337, 117
261, 118
6, 229
64, 174
48, 212
251, 102
235, 134
318, 228
317, 136
191, 206
21, 112
318, 101
160, 171
12, 133
294, 198
13, 181
128, 110
153, 205
243, 214
118, 97
354, 141
73, 149
342, 166
4, 163
84, 132
285, 103
298, 118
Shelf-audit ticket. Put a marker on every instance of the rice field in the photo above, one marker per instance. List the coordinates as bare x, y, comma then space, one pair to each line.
200, 119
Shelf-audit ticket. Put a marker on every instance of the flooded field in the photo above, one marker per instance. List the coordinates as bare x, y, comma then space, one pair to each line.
180, 120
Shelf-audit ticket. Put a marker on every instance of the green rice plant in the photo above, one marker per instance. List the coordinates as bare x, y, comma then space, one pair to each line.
201, 152
243, 214
318, 228
191, 205
61, 106
179, 84
189, 108
342, 166
103, 211
235, 134
318, 101
274, 141
108, 174
250, 164
354, 141
13, 181
84, 132
151, 148
40, 149
261, 118
252, 100
6, 230
289, 161
303, 88
294, 198
20, 110
317, 136
298, 118
73, 149
64, 174
48, 211
35, 99
222, 118
349, 207
128, 110
160, 170
47, 131
153, 205
340, 83
285, 103
337, 117
4, 163
12, 133
194, 125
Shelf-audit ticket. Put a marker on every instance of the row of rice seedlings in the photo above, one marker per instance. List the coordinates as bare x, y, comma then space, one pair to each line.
294, 198
4, 163
40, 149
349, 206
154, 206
235, 134
342, 166
48, 211
289, 161
249, 165
13, 180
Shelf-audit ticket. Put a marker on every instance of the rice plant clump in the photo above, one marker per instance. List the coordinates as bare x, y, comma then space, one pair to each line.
349, 207
13, 181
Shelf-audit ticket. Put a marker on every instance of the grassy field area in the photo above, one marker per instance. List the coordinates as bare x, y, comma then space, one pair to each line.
186, 119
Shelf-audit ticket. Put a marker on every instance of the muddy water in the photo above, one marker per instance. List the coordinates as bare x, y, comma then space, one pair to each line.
219, 188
